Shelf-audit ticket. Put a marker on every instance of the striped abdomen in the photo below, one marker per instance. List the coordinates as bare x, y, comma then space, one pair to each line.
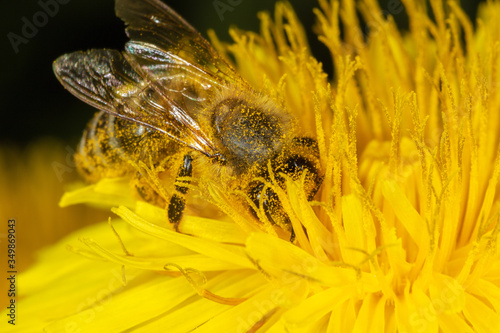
109, 144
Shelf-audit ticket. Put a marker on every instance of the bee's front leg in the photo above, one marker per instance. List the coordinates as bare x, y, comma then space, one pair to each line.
178, 199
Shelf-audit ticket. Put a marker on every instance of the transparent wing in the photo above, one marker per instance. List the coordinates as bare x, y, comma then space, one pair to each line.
110, 81
166, 46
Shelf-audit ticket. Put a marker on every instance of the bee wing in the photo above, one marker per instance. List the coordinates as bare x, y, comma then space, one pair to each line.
109, 81
165, 45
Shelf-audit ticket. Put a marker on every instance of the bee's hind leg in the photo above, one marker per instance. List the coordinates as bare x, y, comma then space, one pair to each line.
178, 199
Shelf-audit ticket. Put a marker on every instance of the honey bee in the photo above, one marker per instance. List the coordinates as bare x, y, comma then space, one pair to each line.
168, 94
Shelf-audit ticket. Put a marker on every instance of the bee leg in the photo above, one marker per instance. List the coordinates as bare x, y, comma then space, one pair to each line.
272, 207
178, 199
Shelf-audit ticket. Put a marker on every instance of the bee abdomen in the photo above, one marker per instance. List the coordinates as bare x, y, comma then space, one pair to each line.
109, 144
100, 153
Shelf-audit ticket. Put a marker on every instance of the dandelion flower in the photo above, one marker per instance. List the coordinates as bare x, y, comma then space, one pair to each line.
33, 180
402, 235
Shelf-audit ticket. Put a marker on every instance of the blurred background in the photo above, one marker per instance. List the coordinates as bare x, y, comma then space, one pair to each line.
41, 123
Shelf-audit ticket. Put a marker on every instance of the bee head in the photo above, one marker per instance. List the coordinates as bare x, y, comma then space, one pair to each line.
299, 157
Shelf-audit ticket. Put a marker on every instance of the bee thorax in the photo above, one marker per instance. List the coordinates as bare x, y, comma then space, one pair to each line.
249, 134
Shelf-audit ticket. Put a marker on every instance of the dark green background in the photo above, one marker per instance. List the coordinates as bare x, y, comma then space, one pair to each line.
32, 102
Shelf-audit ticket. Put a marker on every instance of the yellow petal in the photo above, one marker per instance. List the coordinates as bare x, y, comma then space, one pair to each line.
481, 316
